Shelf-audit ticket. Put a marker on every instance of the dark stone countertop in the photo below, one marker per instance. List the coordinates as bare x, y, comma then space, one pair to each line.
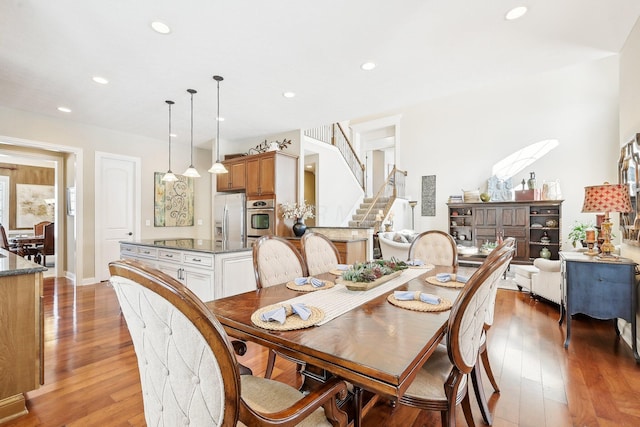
188, 244
14, 265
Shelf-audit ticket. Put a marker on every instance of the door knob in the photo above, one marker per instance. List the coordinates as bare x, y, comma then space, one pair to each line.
130, 233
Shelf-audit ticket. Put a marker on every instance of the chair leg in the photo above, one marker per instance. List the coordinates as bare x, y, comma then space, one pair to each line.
484, 354
271, 361
478, 389
466, 409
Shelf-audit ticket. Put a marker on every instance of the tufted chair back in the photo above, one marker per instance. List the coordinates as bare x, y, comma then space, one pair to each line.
468, 315
435, 247
320, 254
507, 245
276, 261
187, 369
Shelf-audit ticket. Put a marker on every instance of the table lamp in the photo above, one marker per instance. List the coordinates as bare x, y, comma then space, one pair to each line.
607, 198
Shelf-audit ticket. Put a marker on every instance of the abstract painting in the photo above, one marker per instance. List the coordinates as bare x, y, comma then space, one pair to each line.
173, 202
35, 203
429, 195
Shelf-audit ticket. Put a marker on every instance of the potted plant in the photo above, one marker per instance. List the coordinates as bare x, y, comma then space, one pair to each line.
578, 233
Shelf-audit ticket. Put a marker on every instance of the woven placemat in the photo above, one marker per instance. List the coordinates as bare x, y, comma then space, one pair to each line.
416, 305
309, 287
450, 284
293, 321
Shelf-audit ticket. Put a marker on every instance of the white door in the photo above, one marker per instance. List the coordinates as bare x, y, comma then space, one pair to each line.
117, 207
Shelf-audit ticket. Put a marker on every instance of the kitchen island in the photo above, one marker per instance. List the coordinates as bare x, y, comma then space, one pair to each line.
210, 269
21, 334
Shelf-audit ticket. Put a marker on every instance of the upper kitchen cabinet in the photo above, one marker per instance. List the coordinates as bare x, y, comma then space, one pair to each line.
271, 173
235, 179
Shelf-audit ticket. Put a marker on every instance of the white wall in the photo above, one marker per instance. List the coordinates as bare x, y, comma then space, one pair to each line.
460, 137
629, 126
154, 154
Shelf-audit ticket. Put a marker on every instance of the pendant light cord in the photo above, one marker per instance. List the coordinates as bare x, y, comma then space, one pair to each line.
218, 79
170, 104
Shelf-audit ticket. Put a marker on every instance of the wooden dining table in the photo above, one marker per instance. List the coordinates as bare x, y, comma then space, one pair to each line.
26, 244
378, 347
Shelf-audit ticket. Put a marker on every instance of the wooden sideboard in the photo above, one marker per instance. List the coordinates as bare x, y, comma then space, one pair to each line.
351, 251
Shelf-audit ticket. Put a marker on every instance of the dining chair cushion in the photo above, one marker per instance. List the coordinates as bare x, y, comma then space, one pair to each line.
267, 395
428, 383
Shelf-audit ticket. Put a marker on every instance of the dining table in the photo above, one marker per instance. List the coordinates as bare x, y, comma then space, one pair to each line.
376, 346
26, 246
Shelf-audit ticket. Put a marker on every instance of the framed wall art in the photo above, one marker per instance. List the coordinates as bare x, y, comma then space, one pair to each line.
173, 202
34, 204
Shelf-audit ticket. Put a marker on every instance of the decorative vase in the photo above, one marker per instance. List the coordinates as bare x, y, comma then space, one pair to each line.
545, 253
299, 228
532, 181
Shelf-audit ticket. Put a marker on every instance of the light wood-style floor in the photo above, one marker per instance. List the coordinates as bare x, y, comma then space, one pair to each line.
91, 376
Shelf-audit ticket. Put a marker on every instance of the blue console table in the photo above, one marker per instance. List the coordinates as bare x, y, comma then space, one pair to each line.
602, 289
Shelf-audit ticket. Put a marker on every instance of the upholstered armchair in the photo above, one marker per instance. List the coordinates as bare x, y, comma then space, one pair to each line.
320, 254
435, 247
188, 372
395, 244
547, 281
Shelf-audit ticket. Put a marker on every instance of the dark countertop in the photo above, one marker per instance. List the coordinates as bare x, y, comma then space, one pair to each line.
14, 265
353, 239
200, 245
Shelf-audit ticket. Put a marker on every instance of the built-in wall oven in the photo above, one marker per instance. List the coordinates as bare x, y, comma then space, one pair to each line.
261, 218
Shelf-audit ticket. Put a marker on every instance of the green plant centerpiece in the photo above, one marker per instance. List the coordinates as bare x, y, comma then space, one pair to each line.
578, 232
366, 275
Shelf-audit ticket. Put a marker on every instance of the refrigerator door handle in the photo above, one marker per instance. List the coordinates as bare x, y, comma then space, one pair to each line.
225, 224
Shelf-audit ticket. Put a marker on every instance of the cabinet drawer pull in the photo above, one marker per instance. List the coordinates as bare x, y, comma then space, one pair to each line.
146, 252
169, 255
196, 260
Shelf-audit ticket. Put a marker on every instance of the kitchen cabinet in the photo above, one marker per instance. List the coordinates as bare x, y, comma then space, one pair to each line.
210, 274
534, 224
235, 179
271, 173
21, 335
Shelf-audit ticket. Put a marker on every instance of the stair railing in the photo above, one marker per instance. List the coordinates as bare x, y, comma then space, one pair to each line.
392, 188
335, 135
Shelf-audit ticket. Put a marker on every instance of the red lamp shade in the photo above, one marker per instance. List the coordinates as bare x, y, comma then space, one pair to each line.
607, 198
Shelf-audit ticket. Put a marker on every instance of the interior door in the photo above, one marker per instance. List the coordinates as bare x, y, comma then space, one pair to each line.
117, 207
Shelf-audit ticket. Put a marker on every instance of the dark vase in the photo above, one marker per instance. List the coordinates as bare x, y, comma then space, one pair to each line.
299, 228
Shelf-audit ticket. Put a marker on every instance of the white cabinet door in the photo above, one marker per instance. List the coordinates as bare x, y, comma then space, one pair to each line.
234, 273
200, 282
173, 270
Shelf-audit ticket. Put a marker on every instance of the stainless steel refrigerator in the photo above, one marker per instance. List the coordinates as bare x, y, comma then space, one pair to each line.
229, 218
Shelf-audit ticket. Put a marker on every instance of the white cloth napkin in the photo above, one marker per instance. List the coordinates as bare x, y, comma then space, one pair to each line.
447, 277
343, 267
414, 295
301, 281
280, 314
415, 262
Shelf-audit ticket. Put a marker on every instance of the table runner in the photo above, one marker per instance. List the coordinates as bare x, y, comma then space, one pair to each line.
338, 300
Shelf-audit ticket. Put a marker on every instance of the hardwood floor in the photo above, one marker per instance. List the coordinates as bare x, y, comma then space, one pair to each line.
91, 374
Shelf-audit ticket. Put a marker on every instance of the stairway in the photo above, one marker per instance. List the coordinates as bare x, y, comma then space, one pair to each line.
383, 204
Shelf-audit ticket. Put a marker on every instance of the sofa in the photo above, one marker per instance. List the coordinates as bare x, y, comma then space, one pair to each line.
542, 279
395, 244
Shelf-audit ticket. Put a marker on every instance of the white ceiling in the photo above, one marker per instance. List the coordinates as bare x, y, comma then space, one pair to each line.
50, 50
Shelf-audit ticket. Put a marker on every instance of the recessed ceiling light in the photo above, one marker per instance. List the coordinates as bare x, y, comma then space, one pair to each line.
368, 66
289, 94
515, 13
160, 27
64, 109
100, 80
309, 166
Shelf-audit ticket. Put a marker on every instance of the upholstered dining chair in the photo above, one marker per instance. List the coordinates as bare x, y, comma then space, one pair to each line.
38, 229
435, 247
5, 242
483, 359
442, 381
48, 244
319, 253
188, 372
276, 261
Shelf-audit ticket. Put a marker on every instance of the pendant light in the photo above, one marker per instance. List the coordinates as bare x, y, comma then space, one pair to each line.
191, 170
169, 176
217, 166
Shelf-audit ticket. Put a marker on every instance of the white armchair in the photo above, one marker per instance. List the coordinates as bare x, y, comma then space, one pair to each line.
547, 281
396, 244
